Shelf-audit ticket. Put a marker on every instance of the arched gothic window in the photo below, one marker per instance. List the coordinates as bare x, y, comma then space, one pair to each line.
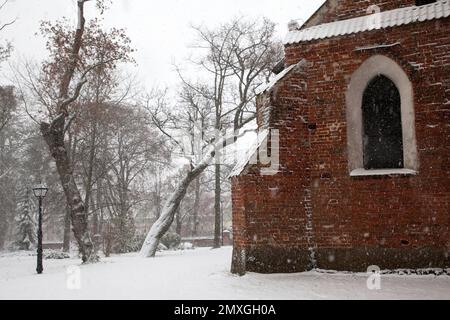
382, 125
381, 137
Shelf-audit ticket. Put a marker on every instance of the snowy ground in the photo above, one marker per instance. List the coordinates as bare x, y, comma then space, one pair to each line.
196, 274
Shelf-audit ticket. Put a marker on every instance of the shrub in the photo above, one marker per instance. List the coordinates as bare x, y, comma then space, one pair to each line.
55, 255
171, 240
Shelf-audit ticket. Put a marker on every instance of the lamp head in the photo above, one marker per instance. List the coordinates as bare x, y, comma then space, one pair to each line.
40, 191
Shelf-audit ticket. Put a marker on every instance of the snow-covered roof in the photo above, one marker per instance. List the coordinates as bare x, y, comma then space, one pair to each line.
391, 18
275, 80
249, 154
279, 77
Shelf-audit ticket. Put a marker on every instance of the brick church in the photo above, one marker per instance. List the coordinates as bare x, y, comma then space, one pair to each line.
362, 110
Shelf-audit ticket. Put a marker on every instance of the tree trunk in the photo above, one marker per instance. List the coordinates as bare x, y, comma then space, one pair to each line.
196, 207
98, 217
217, 211
162, 225
4, 196
88, 188
66, 241
54, 137
178, 224
87, 199
95, 224
3, 233
157, 197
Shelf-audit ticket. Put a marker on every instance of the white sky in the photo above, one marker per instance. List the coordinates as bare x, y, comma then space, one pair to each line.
159, 30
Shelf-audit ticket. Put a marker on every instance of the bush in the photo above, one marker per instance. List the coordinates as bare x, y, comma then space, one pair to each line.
123, 235
55, 255
136, 244
171, 240
119, 237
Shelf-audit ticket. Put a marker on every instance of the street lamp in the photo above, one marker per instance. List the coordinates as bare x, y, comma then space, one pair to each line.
39, 192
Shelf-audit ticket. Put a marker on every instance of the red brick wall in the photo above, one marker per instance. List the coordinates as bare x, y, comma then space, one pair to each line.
350, 8
400, 221
336, 10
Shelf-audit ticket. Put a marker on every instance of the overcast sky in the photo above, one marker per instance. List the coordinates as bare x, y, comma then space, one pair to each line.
159, 30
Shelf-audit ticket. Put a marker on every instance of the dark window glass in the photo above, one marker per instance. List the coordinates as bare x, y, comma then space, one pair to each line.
383, 139
422, 2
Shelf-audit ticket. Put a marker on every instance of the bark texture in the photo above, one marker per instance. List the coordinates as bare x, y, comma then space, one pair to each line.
54, 137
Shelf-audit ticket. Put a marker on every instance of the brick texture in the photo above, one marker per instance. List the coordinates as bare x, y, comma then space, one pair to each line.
390, 221
334, 10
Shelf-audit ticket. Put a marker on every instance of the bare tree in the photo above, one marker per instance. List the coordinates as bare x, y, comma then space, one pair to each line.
5, 48
134, 154
9, 146
73, 56
8, 104
7, 97
89, 137
238, 57
195, 118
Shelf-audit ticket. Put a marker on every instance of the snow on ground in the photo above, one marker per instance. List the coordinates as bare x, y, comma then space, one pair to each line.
196, 274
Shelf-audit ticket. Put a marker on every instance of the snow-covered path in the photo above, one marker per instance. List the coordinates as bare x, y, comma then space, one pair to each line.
197, 274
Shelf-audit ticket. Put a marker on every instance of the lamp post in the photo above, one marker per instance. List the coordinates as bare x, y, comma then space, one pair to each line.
40, 192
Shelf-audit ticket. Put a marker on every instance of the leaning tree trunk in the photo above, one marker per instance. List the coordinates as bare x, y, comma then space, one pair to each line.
54, 137
162, 225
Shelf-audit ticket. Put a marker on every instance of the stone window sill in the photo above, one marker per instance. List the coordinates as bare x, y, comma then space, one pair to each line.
382, 172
